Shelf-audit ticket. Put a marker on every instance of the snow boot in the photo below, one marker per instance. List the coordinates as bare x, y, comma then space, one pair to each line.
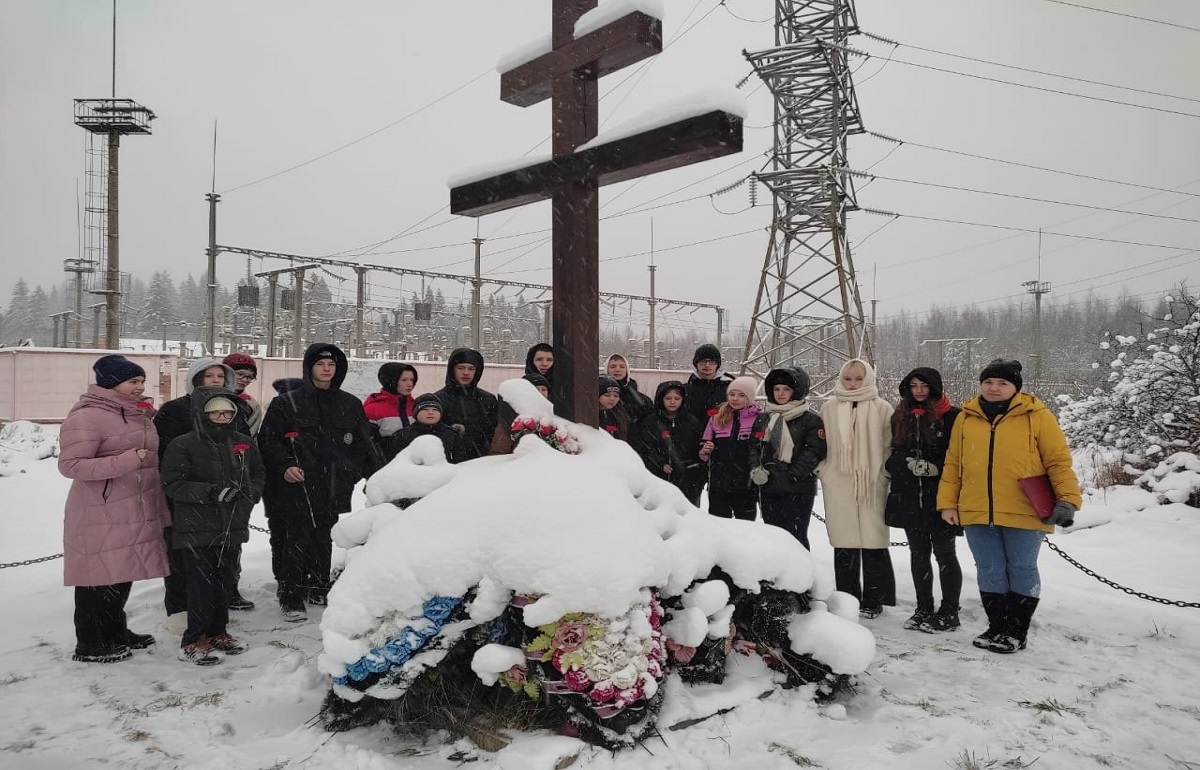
138, 641
919, 618
996, 607
1016, 631
227, 644
200, 652
101, 654
240, 603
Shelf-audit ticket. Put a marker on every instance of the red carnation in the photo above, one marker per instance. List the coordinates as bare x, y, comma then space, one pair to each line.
712, 412
530, 423
292, 435
244, 396
666, 434
546, 430
145, 405
918, 412
240, 448
611, 428
517, 424
760, 434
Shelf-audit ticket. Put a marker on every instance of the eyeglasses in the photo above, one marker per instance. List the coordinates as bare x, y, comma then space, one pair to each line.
242, 374
224, 415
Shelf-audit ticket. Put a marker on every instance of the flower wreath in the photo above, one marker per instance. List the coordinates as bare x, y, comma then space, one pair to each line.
556, 436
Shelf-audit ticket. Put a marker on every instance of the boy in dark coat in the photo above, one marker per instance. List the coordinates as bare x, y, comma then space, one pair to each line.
427, 421
706, 389
613, 417
921, 427
466, 407
789, 444
668, 440
316, 445
214, 475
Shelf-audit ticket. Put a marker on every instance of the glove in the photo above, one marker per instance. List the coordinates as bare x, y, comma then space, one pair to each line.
459, 428
921, 467
1063, 514
227, 494
759, 475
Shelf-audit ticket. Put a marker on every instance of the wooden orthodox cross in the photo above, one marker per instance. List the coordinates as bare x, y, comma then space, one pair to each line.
568, 75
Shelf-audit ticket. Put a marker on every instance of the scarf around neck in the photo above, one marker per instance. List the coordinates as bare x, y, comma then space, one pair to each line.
777, 434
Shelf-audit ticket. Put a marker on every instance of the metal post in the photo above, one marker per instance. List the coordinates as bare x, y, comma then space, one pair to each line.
720, 325
112, 283
297, 310
210, 338
476, 291
78, 310
393, 349
96, 339
272, 285
360, 341
653, 338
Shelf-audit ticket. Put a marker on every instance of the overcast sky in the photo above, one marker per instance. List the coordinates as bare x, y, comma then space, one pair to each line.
290, 81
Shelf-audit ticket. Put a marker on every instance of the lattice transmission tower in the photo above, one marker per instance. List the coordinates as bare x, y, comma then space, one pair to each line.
808, 311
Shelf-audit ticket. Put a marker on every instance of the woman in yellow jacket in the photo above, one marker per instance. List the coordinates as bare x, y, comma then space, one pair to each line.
1000, 437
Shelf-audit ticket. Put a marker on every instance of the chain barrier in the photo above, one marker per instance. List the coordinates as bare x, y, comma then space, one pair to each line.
27, 562
1084, 570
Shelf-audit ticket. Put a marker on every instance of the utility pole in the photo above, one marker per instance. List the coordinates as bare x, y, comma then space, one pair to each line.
272, 287
210, 338
653, 337
297, 310
476, 295
1037, 289
96, 308
360, 341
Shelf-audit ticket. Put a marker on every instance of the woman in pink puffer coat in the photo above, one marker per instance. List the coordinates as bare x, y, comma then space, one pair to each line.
115, 512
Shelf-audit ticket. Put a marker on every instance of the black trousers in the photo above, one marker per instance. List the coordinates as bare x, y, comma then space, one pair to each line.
733, 505
210, 574
789, 512
874, 565
100, 616
939, 543
175, 584
301, 553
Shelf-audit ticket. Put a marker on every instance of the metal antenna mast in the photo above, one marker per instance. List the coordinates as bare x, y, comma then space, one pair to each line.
808, 311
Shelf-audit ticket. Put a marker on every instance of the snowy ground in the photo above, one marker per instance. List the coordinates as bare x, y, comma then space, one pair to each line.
1108, 680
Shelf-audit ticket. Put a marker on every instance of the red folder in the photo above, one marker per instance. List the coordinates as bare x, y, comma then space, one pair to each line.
1040, 492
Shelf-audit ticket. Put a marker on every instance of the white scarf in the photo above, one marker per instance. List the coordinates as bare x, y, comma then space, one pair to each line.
859, 431
777, 432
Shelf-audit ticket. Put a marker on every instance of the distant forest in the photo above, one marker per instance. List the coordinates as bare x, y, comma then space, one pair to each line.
957, 339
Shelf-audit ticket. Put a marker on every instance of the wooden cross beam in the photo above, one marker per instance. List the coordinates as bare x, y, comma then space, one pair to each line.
568, 75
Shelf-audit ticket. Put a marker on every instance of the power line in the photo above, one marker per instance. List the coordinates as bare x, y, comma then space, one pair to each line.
1029, 70
1126, 15
1014, 196
1032, 166
1023, 85
397, 122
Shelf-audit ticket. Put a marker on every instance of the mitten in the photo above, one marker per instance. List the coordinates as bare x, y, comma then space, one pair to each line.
227, 494
389, 425
1063, 514
459, 428
759, 475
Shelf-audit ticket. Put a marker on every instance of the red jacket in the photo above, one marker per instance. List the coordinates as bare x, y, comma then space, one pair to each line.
384, 404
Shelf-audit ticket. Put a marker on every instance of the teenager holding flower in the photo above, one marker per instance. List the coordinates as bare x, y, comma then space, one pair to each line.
613, 417
214, 475
789, 444
725, 446
858, 431
921, 427
668, 440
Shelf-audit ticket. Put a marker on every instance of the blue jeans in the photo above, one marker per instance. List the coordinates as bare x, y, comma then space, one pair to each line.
1006, 558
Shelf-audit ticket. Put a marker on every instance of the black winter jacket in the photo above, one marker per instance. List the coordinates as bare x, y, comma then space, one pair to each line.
808, 450
912, 500
637, 404
705, 395
452, 443
675, 441
332, 445
471, 407
201, 463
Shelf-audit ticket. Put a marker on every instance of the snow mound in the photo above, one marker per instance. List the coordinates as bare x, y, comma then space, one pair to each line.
23, 442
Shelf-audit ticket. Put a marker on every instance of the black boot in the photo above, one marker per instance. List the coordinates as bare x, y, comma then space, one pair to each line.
1020, 614
996, 607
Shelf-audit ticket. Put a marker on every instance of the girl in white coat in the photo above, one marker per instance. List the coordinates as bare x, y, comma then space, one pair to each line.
854, 487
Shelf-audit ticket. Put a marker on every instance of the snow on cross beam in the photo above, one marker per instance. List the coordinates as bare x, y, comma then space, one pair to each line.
691, 140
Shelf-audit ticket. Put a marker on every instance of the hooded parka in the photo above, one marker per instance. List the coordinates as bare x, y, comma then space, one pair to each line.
198, 466
471, 406
912, 500
986, 460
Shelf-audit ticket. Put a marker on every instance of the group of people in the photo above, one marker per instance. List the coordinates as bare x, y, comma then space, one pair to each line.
168, 492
